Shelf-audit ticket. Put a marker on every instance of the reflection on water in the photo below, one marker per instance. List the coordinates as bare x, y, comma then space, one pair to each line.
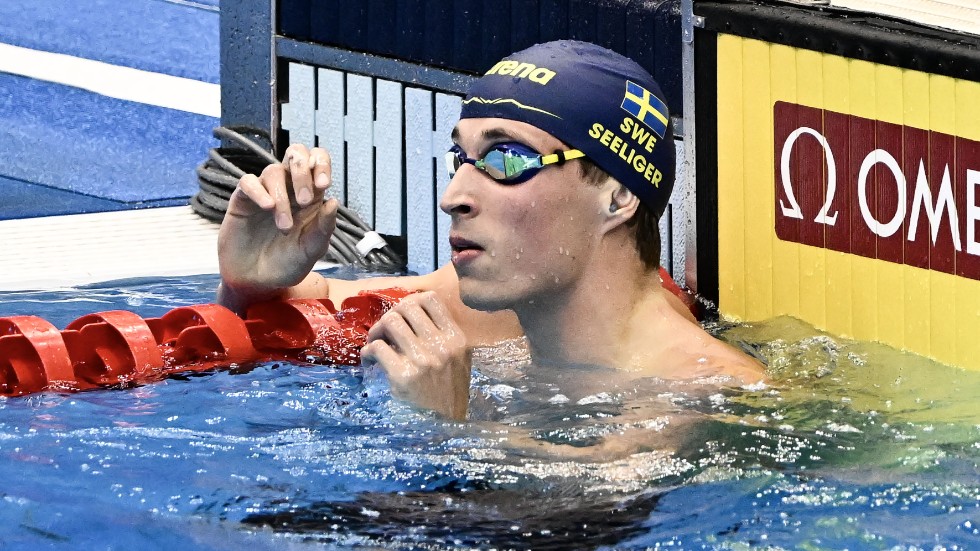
850, 445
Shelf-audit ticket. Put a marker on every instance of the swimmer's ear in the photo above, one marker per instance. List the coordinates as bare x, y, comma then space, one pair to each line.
621, 206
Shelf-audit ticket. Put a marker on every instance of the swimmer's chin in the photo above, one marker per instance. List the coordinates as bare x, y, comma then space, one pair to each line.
479, 301
483, 304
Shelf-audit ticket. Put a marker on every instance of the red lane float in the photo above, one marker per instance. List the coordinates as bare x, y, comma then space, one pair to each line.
120, 348
32, 356
686, 297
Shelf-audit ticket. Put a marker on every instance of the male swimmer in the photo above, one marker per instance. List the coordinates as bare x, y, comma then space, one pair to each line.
562, 165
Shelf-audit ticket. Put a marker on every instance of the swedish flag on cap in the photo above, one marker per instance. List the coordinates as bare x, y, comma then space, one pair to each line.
642, 104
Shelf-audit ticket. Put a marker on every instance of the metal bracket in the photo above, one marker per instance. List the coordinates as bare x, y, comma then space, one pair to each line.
689, 21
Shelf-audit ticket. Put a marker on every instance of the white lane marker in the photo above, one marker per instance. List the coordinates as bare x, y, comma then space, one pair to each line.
114, 81
192, 4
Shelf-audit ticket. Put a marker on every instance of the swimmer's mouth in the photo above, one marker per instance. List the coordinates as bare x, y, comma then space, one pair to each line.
458, 244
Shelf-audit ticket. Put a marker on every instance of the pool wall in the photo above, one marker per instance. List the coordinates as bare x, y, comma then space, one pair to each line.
838, 163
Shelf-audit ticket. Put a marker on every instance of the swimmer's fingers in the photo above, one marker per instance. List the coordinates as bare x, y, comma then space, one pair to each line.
398, 369
382, 354
322, 170
299, 163
275, 181
414, 309
432, 323
393, 329
249, 197
425, 318
315, 237
437, 313
420, 328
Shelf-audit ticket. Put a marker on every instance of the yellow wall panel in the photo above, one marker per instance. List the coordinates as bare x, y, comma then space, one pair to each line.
731, 250
918, 316
891, 303
916, 93
942, 288
968, 109
813, 276
967, 315
836, 97
889, 107
758, 215
786, 256
942, 292
863, 93
942, 115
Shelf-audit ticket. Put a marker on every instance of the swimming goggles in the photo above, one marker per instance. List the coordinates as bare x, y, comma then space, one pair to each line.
509, 163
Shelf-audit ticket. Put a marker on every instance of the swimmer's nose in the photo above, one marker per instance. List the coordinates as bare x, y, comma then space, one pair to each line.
457, 201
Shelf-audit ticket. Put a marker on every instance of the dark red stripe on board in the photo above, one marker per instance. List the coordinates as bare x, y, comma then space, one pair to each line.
877, 189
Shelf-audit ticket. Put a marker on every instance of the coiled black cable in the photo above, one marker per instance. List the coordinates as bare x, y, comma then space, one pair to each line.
250, 153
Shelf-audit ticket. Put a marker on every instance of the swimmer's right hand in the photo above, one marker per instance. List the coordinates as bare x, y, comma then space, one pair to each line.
277, 225
424, 353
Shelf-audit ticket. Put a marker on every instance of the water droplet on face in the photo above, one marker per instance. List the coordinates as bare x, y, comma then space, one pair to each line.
533, 204
517, 256
493, 254
534, 277
561, 250
557, 279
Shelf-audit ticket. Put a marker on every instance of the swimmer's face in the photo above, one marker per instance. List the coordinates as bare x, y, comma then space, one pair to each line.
523, 244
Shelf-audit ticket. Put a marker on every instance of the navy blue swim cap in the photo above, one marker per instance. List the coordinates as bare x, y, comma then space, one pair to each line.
594, 100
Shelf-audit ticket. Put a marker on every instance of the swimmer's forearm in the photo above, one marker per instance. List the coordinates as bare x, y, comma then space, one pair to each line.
238, 299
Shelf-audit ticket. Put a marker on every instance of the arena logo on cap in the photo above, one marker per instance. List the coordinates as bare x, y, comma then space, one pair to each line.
521, 69
645, 106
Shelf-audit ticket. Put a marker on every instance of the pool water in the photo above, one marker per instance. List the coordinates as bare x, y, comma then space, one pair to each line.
852, 445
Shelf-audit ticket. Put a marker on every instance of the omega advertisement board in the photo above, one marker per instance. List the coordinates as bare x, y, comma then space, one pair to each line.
847, 176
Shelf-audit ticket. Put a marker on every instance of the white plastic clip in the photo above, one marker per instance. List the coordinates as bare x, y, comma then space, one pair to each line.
372, 240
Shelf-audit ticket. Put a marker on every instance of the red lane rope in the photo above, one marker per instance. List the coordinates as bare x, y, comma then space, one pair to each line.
120, 348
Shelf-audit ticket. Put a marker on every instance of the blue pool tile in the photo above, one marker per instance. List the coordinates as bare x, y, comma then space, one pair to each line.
154, 35
70, 139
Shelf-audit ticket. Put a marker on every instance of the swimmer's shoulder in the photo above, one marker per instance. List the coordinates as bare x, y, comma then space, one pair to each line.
690, 352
